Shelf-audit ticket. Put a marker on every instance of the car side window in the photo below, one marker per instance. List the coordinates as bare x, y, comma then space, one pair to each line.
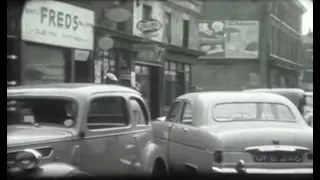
139, 112
175, 112
107, 112
187, 114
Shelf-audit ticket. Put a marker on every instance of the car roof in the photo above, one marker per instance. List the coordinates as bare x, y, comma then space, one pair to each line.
280, 90
309, 93
234, 96
67, 89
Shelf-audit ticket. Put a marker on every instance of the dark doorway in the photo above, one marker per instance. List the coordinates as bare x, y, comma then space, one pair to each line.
155, 92
82, 71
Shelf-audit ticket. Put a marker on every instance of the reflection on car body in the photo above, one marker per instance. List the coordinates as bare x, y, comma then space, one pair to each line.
90, 128
235, 132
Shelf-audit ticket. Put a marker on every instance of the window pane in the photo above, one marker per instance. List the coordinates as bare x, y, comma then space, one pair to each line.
173, 66
55, 112
139, 113
174, 112
187, 68
235, 111
253, 111
107, 112
187, 114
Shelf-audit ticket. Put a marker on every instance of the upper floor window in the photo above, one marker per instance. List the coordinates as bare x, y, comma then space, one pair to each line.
147, 12
185, 42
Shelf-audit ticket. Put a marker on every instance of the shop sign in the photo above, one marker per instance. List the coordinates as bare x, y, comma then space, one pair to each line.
149, 26
80, 55
57, 23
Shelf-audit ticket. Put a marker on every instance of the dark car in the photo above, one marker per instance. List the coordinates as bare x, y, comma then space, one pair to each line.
66, 130
298, 96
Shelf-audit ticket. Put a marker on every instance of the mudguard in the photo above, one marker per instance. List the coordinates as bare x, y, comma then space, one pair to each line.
150, 154
55, 169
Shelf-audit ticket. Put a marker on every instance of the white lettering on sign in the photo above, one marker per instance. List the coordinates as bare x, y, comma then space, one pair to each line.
57, 23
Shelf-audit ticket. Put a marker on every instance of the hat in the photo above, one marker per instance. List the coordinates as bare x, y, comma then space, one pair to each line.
111, 76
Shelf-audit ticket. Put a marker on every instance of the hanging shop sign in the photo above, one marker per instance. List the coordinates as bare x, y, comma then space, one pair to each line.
57, 23
149, 26
105, 43
118, 14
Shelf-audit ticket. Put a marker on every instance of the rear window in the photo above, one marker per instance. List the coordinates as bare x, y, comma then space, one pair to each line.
42, 111
252, 112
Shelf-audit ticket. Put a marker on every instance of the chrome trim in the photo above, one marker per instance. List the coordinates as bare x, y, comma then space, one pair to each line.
264, 171
270, 148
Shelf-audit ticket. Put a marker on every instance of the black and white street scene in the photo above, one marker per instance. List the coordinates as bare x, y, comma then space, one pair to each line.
159, 87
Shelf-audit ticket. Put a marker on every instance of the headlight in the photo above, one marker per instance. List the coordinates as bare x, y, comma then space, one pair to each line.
28, 159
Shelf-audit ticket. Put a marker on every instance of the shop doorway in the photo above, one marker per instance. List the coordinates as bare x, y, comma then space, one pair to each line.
148, 83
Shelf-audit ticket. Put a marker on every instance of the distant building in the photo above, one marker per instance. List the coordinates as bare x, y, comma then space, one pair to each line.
249, 44
307, 61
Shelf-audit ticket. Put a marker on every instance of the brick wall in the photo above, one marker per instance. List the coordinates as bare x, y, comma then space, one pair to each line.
223, 77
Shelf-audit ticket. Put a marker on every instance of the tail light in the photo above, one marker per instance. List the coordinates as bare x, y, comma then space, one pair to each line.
218, 157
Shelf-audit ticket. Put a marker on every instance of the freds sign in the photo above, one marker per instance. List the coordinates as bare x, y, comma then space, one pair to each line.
57, 23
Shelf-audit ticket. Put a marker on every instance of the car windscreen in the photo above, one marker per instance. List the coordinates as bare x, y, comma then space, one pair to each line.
41, 111
252, 112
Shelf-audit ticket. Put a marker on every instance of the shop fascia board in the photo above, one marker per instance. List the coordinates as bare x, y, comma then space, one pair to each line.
137, 39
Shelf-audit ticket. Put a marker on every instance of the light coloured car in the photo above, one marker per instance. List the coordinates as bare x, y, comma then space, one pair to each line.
63, 130
235, 132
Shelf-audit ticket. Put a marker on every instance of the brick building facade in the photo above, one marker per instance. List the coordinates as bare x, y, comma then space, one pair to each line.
279, 43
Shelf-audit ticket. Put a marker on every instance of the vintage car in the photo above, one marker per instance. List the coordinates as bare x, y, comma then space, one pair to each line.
235, 132
71, 129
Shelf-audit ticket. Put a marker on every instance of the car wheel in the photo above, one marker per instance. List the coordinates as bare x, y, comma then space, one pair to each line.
159, 168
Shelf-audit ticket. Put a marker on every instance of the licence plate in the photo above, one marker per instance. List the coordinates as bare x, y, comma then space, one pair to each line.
266, 157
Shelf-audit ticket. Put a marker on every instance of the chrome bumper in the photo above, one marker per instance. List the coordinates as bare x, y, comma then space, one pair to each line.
264, 171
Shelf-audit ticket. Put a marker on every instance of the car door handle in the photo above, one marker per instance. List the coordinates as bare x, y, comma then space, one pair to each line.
185, 129
135, 137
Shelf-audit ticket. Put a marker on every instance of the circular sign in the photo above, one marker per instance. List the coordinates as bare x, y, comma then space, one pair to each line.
118, 14
105, 43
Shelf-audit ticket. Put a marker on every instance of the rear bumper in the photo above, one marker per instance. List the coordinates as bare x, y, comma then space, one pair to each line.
264, 171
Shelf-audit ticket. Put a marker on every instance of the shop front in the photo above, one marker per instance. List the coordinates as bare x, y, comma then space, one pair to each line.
284, 73
57, 40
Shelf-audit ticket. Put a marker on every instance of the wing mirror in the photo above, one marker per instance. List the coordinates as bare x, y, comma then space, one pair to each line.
309, 119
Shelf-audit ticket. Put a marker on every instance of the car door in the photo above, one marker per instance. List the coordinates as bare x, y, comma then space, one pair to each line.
186, 146
107, 135
162, 129
142, 133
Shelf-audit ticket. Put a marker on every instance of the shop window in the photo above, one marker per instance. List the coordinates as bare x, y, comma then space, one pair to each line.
177, 80
143, 82
43, 64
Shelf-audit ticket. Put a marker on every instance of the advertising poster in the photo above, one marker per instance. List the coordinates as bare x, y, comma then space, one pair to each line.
212, 38
242, 39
